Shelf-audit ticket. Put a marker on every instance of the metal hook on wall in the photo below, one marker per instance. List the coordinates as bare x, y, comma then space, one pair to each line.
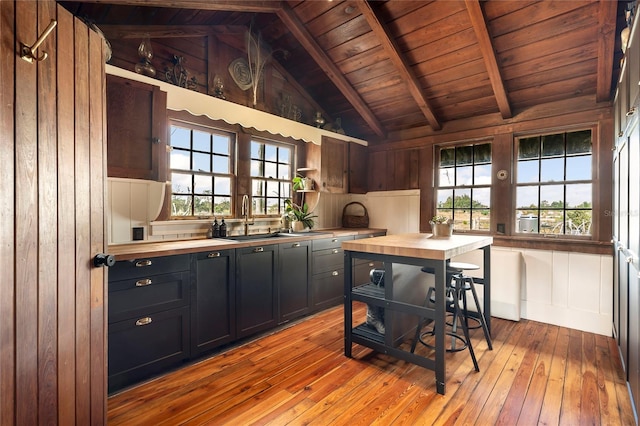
28, 52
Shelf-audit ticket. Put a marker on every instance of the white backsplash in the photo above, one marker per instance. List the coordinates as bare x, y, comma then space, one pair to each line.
567, 289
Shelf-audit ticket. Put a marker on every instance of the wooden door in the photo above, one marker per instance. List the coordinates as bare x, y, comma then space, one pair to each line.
52, 327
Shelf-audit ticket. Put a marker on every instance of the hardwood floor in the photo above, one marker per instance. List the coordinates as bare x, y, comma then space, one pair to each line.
536, 374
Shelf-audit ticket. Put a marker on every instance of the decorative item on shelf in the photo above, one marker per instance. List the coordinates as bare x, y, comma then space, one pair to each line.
336, 126
318, 119
258, 53
353, 221
218, 87
145, 51
288, 109
299, 216
302, 183
239, 71
440, 227
177, 74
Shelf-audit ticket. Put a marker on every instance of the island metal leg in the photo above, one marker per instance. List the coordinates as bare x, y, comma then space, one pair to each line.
348, 308
439, 326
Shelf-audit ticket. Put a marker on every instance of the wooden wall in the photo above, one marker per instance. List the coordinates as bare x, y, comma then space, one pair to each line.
405, 161
52, 150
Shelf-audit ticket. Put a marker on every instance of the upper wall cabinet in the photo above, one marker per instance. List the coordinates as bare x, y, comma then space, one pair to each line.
358, 167
136, 130
330, 161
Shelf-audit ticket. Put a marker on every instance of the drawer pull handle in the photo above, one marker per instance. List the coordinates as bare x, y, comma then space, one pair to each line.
143, 263
142, 283
335, 273
334, 240
295, 245
258, 250
216, 254
371, 263
335, 251
144, 321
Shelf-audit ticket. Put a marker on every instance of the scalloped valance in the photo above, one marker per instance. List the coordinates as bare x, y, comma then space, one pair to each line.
181, 99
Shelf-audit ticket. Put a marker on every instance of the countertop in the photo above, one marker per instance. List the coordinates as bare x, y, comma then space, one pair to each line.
164, 248
418, 245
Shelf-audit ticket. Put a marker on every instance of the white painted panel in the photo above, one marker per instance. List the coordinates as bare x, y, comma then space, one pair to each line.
584, 282
120, 212
396, 211
560, 289
539, 275
606, 285
139, 203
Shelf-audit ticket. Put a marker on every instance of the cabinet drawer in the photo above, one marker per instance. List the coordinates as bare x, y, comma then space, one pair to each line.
142, 347
325, 260
328, 243
144, 267
152, 293
327, 289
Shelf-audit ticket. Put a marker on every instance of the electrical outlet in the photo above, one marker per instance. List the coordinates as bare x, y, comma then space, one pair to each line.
138, 233
501, 228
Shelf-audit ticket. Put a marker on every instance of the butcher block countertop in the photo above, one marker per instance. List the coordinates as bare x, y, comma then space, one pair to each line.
165, 248
416, 245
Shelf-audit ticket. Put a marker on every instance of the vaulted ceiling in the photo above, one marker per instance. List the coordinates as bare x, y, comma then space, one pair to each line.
389, 66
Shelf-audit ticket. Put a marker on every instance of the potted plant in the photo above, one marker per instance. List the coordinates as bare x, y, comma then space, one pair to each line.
300, 216
440, 227
301, 183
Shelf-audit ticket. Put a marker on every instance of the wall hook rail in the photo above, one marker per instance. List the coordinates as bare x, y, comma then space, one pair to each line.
28, 52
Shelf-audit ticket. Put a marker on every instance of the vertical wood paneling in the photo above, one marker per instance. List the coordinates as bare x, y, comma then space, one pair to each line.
66, 222
47, 222
83, 221
52, 314
26, 226
97, 116
7, 216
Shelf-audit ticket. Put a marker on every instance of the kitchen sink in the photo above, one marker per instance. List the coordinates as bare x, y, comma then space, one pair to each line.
256, 236
272, 235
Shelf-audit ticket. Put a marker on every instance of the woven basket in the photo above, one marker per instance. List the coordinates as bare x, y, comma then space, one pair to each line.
351, 221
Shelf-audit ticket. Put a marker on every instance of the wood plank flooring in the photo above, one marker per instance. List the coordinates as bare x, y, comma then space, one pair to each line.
537, 374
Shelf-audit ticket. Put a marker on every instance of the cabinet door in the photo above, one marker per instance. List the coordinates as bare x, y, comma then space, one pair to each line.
147, 345
294, 280
213, 300
378, 171
136, 130
330, 161
256, 292
358, 168
328, 288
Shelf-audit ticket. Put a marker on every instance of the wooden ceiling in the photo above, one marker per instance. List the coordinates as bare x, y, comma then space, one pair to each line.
386, 67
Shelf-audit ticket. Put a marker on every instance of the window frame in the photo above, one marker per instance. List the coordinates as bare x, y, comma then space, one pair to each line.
592, 182
232, 175
283, 183
437, 184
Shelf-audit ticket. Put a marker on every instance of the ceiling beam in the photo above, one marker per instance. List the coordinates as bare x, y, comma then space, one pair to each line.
257, 6
607, 14
400, 63
168, 31
486, 47
320, 57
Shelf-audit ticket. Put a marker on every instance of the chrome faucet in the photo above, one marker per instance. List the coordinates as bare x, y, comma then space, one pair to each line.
245, 213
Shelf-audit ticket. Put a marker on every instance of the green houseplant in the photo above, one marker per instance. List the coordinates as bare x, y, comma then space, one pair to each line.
301, 214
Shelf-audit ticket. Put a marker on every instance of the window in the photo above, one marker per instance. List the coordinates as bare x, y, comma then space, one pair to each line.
201, 171
554, 183
464, 186
271, 165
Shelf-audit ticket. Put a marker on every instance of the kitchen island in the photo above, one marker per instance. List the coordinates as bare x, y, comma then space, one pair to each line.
420, 250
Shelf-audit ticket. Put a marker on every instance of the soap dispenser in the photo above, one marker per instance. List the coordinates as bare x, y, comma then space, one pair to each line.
216, 228
223, 229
